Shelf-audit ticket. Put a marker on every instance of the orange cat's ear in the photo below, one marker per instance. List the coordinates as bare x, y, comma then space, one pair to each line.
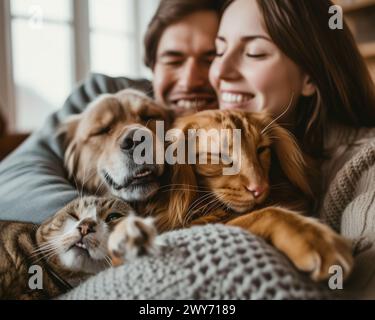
291, 158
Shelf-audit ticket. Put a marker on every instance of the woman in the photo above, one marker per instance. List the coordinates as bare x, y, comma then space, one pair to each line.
281, 57
269, 50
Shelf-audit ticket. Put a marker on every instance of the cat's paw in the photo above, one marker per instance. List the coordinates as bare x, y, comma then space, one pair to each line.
316, 249
132, 237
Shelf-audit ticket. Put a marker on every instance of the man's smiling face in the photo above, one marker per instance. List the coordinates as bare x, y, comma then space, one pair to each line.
185, 52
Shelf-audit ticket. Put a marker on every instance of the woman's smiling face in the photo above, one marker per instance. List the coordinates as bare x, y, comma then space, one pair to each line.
250, 72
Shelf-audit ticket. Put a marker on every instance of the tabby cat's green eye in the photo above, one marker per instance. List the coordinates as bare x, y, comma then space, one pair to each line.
113, 216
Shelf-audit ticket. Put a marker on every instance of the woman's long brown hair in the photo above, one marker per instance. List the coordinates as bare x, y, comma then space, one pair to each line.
345, 90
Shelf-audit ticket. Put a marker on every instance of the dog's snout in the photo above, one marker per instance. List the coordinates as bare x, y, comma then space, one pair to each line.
131, 141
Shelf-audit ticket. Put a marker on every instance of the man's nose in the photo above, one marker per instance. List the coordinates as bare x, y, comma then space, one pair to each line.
87, 226
193, 76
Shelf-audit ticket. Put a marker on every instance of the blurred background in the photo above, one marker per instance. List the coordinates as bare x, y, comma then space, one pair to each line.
360, 16
47, 46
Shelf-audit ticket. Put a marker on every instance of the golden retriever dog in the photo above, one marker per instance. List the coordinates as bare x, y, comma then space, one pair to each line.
100, 145
271, 195
100, 159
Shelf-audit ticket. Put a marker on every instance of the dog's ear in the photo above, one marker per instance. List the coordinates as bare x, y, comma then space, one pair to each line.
291, 158
68, 130
182, 194
183, 187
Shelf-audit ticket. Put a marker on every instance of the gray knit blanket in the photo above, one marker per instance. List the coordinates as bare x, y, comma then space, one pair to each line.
209, 262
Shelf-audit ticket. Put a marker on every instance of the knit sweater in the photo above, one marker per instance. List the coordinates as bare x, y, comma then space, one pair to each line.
348, 204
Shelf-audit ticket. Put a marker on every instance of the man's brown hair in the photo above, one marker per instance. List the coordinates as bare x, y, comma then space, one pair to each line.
170, 12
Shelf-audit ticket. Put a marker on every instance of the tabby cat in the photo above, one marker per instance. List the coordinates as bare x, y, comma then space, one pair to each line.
76, 243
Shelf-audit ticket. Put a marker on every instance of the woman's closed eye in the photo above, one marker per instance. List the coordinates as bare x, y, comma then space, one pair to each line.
256, 56
258, 49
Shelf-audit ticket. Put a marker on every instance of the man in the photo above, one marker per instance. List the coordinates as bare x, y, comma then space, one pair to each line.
179, 49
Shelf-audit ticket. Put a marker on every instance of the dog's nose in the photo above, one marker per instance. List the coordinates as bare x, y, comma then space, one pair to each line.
256, 190
129, 143
86, 226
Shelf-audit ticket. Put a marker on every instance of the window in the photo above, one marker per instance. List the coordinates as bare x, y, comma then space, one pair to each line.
110, 32
46, 47
41, 36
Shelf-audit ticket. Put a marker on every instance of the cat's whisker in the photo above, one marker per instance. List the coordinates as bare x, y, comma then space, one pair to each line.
195, 205
186, 189
281, 115
195, 210
46, 253
48, 246
99, 187
83, 179
207, 207
200, 204
193, 187
76, 184
198, 201
87, 175
54, 242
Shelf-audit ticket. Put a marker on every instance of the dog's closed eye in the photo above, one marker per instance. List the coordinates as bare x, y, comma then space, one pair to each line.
150, 117
101, 130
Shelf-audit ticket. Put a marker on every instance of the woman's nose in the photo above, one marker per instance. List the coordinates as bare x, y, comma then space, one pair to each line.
225, 68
